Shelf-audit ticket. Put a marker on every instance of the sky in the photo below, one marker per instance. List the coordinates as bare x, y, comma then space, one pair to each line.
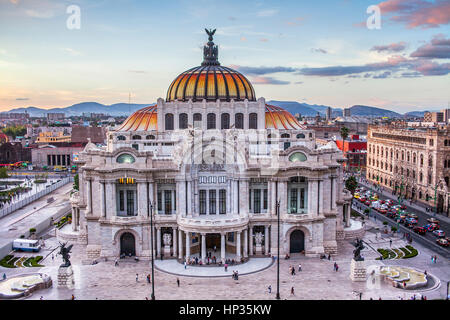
315, 52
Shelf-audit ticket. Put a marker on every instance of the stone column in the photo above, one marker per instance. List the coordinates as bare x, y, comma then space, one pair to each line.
189, 199
89, 196
250, 241
174, 242
235, 197
111, 204
238, 245
349, 209
142, 198
158, 241
228, 197
74, 219
321, 195
151, 194
269, 197
333, 197
180, 244
181, 198
222, 247
282, 196
245, 243
266, 240
203, 248
188, 246
243, 197
102, 199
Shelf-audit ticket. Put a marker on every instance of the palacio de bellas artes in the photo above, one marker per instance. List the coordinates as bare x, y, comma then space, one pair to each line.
212, 162
220, 190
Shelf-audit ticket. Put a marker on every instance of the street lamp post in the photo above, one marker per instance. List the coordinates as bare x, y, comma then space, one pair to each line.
151, 245
278, 252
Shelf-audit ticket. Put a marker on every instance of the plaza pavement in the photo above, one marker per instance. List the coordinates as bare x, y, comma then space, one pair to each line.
317, 281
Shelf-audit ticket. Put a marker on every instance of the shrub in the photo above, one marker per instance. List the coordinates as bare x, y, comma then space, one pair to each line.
32, 230
385, 223
413, 252
366, 211
394, 229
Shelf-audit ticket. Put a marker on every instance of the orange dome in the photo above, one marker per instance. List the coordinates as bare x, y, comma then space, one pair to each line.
146, 120
211, 82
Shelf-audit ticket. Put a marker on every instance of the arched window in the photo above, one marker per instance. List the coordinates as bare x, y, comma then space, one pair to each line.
211, 121
150, 137
125, 158
285, 135
297, 157
421, 160
253, 121
121, 138
197, 120
421, 177
430, 161
183, 121
301, 136
239, 121
414, 158
136, 137
225, 121
169, 121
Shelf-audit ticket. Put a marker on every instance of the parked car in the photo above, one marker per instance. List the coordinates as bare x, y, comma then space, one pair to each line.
411, 220
442, 242
433, 220
439, 233
431, 227
413, 215
420, 230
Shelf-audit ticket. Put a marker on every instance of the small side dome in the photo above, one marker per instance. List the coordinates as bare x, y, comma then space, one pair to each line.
297, 157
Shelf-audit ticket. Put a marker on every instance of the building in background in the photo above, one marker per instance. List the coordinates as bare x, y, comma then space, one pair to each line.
355, 151
414, 162
52, 137
434, 117
328, 114
347, 112
11, 152
57, 154
81, 134
55, 116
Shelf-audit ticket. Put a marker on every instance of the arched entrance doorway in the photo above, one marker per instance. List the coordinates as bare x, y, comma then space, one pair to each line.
297, 241
127, 244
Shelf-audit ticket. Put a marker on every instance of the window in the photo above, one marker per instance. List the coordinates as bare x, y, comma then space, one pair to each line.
169, 121
135, 146
285, 135
202, 200
297, 157
159, 201
265, 199
293, 203
431, 142
222, 201
239, 121
225, 121
130, 203
125, 158
257, 201
121, 200
150, 137
253, 121
211, 121
136, 137
183, 121
197, 120
302, 136
212, 201
287, 145
121, 138
167, 201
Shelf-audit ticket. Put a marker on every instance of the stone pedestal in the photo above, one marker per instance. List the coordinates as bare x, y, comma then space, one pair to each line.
166, 251
258, 249
357, 270
65, 277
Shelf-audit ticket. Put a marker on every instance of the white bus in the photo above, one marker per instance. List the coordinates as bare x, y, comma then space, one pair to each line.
26, 245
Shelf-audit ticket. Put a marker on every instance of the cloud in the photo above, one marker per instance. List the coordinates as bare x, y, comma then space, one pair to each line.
296, 22
319, 50
268, 80
438, 48
417, 13
430, 68
393, 47
384, 75
411, 74
267, 13
262, 70
264, 40
22, 99
39, 14
71, 51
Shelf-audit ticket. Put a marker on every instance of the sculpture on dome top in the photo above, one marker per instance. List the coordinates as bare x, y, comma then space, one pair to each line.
210, 51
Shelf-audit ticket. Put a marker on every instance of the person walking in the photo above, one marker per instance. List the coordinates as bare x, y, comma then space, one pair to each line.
269, 288
435, 258
137, 277
337, 267
178, 282
292, 291
4, 276
300, 267
185, 265
390, 243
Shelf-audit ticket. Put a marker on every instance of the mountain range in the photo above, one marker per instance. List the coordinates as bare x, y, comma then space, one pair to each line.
125, 109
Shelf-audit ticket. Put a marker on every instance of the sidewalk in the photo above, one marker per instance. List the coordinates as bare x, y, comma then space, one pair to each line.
415, 206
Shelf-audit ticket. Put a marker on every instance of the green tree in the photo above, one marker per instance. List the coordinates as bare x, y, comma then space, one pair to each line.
15, 131
344, 133
351, 184
3, 173
76, 182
